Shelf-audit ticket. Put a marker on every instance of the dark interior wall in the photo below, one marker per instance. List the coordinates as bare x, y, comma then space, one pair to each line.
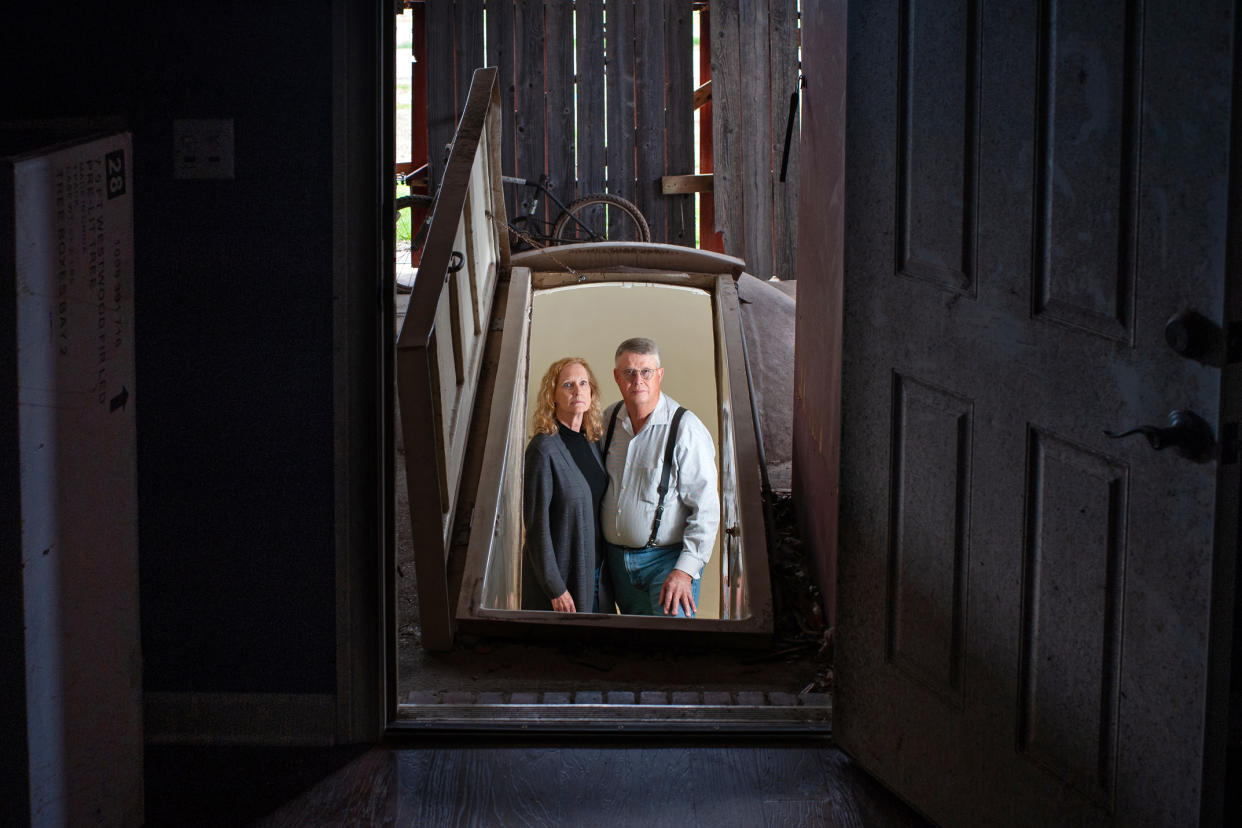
233, 306
235, 360
14, 764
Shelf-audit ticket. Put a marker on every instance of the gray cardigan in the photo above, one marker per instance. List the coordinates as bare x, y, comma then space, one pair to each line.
562, 548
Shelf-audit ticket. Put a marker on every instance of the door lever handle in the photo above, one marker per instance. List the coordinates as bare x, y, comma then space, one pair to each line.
1187, 432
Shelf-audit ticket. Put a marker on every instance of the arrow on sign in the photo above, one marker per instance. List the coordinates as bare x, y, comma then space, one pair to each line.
119, 400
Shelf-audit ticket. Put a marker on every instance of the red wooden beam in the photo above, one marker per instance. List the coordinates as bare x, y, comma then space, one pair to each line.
418, 86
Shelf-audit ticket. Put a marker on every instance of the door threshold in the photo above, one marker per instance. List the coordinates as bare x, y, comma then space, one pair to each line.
595, 712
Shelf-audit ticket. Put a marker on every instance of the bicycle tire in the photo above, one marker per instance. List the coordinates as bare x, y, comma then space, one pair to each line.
566, 230
408, 237
413, 200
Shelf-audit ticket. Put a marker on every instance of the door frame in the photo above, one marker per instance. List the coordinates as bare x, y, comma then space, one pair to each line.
363, 102
811, 719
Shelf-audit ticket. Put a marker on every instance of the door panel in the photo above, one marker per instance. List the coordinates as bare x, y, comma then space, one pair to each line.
1086, 157
931, 500
1023, 611
937, 143
1073, 557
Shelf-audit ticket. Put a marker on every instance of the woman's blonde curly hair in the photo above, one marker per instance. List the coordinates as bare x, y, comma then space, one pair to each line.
545, 402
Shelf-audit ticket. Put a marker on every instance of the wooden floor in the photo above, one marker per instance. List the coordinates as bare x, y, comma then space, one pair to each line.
486, 783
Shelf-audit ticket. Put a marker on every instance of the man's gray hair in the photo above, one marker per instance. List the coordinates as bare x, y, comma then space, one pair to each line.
638, 345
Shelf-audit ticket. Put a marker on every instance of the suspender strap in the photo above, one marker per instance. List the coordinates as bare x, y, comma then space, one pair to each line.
669, 445
612, 426
666, 471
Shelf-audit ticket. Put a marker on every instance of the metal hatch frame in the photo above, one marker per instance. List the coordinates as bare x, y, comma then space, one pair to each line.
602, 263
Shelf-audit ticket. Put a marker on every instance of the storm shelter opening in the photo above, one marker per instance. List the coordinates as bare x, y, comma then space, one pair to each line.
589, 321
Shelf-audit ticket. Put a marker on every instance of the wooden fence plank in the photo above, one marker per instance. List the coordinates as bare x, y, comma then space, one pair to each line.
620, 90
627, 106
679, 123
590, 76
559, 28
755, 128
441, 86
649, 97
500, 48
783, 46
726, 126
467, 45
528, 97
592, 131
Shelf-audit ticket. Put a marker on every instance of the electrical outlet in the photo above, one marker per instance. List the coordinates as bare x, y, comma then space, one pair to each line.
203, 148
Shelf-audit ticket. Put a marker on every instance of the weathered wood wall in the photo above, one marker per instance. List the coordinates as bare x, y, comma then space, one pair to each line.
754, 73
627, 65
633, 118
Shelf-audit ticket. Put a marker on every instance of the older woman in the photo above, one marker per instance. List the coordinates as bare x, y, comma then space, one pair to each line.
563, 486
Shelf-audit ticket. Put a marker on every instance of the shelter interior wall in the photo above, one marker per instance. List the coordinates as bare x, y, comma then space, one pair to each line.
590, 321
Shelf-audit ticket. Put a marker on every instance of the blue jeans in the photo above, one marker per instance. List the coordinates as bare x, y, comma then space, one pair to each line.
638, 574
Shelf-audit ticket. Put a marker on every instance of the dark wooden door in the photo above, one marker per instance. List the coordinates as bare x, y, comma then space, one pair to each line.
1030, 613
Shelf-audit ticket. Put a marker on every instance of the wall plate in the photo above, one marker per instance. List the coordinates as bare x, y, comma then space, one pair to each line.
203, 148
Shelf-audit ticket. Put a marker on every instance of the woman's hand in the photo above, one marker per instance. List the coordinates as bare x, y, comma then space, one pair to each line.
564, 603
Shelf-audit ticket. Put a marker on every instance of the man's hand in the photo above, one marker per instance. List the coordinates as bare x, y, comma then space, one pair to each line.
675, 594
564, 603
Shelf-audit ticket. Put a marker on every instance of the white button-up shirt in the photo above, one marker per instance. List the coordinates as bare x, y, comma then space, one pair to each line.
692, 504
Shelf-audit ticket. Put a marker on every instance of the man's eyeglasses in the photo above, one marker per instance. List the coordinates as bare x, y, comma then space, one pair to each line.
631, 373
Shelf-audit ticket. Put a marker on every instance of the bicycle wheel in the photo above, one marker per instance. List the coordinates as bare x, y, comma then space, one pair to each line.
405, 232
407, 236
601, 217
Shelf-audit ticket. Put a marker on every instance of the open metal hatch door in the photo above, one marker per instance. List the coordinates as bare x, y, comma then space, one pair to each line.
441, 343
471, 306
1034, 620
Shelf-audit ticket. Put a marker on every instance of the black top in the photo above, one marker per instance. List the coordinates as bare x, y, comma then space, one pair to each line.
580, 450
561, 551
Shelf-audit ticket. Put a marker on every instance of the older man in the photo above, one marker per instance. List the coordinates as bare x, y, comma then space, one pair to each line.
658, 541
